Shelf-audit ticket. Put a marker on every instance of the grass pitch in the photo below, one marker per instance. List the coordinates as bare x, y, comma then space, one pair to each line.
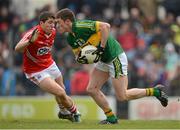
88, 124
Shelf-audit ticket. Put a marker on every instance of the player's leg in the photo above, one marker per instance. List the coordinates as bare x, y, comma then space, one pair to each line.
64, 113
97, 79
49, 85
52, 87
45, 80
122, 93
58, 100
120, 83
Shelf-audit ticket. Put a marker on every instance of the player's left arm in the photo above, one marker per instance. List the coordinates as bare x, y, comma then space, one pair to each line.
104, 29
28, 39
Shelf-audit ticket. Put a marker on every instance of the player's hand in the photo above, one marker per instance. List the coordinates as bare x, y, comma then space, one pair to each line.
99, 52
34, 36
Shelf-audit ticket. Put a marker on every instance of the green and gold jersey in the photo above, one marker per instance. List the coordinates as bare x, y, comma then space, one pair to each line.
87, 32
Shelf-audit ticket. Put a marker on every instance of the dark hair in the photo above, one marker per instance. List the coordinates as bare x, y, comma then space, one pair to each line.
45, 16
65, 14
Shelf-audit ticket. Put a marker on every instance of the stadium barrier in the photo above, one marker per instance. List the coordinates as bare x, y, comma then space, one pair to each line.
151, 109
46, 107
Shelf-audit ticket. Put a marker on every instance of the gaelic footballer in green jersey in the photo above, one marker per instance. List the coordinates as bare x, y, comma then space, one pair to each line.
113, 63
87, 32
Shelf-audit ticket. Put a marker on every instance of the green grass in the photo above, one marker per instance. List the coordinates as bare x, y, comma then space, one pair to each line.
88, 124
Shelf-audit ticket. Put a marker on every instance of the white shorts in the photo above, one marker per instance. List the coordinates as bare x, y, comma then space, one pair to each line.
52, 71
117, 67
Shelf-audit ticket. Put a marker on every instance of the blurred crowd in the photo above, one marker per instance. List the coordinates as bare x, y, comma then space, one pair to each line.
148, 31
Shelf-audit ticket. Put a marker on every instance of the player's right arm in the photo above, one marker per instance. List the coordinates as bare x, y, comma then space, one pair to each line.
27, 39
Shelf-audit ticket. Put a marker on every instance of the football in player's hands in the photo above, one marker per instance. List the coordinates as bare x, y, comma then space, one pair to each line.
85, 56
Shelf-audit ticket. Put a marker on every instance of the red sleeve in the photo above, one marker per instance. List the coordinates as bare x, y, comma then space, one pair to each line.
26, 36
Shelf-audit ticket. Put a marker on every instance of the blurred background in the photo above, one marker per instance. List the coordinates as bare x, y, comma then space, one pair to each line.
148, 30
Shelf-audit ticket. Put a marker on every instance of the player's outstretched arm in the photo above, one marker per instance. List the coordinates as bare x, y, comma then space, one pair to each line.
25, 41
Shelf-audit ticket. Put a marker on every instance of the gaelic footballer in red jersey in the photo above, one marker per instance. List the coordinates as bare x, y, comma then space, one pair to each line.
37, 56
39, 66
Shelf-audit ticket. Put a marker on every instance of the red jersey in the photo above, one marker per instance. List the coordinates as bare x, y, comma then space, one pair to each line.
37, 56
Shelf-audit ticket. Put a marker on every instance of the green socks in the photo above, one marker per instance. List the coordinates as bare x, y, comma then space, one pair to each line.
153, 92
110, 115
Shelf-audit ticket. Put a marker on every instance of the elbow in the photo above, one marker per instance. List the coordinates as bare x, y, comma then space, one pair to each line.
106, 26
16, 49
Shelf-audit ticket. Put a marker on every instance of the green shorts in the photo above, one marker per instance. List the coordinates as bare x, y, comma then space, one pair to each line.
116, 68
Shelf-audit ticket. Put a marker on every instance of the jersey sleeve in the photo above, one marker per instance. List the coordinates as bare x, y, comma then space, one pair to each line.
95, 38
27, 35
87, 26
97, 26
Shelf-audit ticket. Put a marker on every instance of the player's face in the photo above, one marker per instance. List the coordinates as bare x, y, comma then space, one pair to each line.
48, 25
62, 26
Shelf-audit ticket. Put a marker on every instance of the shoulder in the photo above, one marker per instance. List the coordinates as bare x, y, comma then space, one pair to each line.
84, 25
80, 23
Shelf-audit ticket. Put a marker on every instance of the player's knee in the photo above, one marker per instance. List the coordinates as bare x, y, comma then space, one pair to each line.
90, 90
122, 97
